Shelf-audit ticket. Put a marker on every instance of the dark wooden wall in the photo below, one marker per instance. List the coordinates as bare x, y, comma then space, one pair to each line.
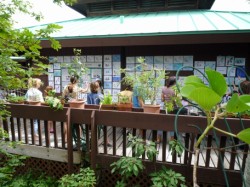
200, 52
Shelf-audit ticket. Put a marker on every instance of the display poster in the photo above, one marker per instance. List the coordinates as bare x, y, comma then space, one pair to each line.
221, 60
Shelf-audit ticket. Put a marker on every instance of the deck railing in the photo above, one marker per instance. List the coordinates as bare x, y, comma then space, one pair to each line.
98, 127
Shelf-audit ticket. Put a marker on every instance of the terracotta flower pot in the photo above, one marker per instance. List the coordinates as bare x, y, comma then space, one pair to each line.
76, 103
151, 108
124, 107
108, 107
36, 103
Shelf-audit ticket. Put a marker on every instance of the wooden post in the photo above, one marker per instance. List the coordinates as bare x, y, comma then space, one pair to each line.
70, 143
93, 141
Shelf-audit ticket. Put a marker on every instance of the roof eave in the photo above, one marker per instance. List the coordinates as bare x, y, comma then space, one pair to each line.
240, 36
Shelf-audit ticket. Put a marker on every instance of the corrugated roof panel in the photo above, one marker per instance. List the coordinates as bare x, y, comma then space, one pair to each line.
217, 19
185, 22
201, 22
241, 22
155, 23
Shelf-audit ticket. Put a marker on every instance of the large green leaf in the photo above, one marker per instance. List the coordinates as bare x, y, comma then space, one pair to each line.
205, 97
186, 90
216, 81
244, 135
245, 99
238, 104
192, 79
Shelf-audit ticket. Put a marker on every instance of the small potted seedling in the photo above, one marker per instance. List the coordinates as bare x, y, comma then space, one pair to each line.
124, 103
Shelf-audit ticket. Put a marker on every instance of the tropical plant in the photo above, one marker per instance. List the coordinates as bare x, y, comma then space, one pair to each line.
208, 98
146, 82
85, 178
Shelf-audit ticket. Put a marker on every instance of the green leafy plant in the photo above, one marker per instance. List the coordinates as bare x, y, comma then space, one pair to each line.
123, 99
167, 177
107, 99
16, 99
22, 43
208, 98
175, 101
31, 180
175, 147
8, 162
147, 82
128, 166
133, 166
76, 68
85, 178
53, 102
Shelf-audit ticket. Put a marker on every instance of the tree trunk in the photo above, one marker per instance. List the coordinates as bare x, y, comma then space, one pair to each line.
247, 172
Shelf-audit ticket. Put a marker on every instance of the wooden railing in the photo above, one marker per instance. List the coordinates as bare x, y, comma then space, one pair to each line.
114, 127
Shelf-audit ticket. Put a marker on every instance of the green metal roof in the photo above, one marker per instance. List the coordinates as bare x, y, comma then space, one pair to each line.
155, 24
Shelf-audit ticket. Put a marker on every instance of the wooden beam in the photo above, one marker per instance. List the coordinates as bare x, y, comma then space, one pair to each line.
59, 155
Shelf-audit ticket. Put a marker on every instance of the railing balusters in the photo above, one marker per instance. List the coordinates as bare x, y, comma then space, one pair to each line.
19, 133
55, 134
12, 127
124, 140
223, 140
25, 131
208, 151
114, 140
164, 146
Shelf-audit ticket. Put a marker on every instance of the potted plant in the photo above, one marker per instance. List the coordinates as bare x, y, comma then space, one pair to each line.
77, 69
54, 102
147, 84
208, 98
107, 102
124, 104
16, 99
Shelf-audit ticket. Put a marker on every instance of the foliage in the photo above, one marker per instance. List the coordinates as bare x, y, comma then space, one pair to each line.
53, 102
208, 97
8, 161
139, 146
147, 82
174, 101
107, 99
22, 42
3, 112
29, 179
133, 166
15, 99
76, 68
167, 177
128, 166
175, 146
123, 99
86, 177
